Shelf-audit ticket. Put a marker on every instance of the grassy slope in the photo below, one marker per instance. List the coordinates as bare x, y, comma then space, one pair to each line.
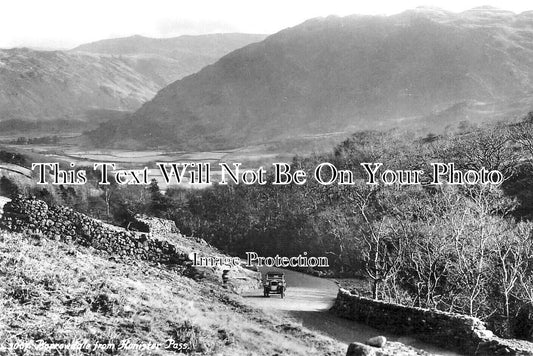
59, 292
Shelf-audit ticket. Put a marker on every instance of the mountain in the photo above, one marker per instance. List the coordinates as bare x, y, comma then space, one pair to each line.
169, 59
95, 81
211, 46
39, 85
424, 67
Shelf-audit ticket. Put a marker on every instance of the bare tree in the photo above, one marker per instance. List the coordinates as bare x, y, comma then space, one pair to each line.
382, 248
522, 133
513, 251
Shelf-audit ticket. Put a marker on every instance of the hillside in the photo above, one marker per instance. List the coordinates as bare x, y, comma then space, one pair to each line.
94, 82
169, 59
58, 85
67, 293
424, 68
59, 293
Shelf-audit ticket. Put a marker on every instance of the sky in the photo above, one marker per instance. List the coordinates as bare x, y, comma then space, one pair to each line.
65, 24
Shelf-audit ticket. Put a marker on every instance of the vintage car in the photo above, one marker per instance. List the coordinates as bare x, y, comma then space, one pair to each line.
274, 284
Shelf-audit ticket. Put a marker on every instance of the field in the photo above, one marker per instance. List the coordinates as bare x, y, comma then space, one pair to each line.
70, 149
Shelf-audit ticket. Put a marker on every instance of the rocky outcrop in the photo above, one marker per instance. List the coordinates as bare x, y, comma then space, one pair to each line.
465, 334
388, 349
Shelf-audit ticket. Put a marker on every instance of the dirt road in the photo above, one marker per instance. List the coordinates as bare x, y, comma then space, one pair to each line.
16, 169
308, 300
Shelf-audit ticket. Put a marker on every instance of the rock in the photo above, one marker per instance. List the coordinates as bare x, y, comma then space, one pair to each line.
378, 341
470, 321
484, 334
357, 349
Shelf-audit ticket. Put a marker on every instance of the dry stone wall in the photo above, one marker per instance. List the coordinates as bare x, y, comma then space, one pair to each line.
465, 334
157, 226
65, 224
162, 245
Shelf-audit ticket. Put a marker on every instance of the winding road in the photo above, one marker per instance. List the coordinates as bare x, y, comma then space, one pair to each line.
308, 300
13, 168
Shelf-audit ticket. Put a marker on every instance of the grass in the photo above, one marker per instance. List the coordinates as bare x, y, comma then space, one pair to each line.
61, 294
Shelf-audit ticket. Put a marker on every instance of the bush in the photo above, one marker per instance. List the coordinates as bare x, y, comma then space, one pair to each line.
8, 188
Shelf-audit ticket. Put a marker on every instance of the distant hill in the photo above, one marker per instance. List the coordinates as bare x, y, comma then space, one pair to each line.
106, 77
421, 68
46, 85
169, 59
212, 46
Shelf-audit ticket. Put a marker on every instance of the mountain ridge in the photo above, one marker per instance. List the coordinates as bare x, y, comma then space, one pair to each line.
49, 85
213, 45
343, 73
